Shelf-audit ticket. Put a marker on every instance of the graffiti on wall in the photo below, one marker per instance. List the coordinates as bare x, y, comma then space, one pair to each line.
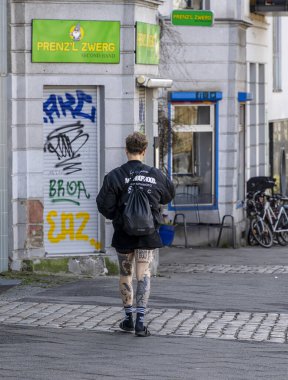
57, 107
67, 191
70, 161
66, 143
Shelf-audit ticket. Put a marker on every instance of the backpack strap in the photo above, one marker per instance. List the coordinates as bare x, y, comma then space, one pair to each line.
130, 180
125, 188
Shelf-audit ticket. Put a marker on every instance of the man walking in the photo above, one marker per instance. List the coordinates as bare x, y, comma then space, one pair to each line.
111, 200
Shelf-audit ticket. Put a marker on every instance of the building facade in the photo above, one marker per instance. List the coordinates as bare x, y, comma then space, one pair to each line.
75, 83
73, 98
220, 105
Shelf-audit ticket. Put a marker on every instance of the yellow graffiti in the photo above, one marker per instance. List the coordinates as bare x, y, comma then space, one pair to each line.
52, 224
95, 244
67, 231
67, 225
85, 216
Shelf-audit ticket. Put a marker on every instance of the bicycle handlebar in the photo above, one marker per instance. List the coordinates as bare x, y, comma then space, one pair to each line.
268, 196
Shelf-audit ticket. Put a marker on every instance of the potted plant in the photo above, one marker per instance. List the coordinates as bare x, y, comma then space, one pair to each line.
167, 231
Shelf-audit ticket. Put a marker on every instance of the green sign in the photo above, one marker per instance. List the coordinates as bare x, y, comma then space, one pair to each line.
147, 43
192, 18
76, 41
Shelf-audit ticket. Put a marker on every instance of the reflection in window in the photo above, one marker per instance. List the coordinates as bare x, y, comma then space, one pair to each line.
277, 58
193, 154
279, 135
196, 115
188, 4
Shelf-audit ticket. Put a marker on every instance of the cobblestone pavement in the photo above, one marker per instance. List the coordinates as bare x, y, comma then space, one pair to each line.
224, 268
243, 326
235, 296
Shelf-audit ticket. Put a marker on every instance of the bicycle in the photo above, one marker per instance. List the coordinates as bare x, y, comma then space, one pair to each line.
259, 228
276, 216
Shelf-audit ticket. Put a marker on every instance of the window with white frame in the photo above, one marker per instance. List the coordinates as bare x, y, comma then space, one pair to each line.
193, 152
191, 4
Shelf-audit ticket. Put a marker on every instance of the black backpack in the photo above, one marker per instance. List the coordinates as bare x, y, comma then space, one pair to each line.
137, 215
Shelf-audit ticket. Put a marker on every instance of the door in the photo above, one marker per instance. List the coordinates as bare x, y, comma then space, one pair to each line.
70, 170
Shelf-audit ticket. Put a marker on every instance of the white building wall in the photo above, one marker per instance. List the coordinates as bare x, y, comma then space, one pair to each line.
212, 59
267, 105
256, 128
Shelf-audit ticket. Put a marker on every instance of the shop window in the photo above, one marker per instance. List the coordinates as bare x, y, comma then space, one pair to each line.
192, 153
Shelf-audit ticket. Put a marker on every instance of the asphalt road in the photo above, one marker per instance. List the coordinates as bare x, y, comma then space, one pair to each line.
204, 291
45, 354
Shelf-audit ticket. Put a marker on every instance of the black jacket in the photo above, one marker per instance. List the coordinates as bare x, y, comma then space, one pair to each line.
110, 200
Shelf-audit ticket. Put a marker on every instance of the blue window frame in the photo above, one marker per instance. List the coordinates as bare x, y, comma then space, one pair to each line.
193, 149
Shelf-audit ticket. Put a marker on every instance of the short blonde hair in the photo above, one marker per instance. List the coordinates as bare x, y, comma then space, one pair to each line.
136, 143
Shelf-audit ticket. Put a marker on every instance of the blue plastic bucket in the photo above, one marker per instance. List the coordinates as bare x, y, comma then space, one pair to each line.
167, 233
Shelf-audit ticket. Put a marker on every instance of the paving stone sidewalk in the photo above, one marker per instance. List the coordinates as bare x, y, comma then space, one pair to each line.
244, 326
177, 316
224, 268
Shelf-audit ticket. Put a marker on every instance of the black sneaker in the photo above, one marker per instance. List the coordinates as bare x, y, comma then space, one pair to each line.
144, 332
127, 324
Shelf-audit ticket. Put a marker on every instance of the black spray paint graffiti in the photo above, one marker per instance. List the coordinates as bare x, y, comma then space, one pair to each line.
66, 143
56, 106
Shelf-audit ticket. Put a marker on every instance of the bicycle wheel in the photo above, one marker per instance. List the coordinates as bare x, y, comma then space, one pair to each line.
251, 240
282, 238
262, 233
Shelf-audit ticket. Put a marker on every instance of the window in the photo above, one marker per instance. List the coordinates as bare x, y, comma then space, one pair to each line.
241, 155
190, 4
277, 77
278, 154
192, 153
142, 109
